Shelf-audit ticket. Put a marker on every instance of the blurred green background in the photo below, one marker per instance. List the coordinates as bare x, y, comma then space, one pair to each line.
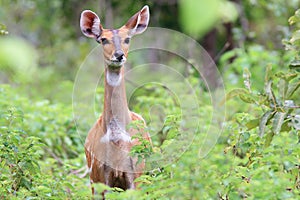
45, 44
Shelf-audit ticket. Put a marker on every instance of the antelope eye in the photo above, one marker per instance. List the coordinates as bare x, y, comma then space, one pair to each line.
104, 41
127, 40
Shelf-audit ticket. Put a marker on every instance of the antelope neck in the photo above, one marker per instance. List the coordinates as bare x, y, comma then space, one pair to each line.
115, 101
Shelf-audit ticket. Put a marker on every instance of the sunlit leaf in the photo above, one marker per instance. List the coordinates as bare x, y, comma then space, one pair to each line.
247, 76
295, 64
282, 88
286, 76
263, 122
295, 18
269, 138
292, 89
233, 93
252, 124
268, 74
269, 92
295, 36
286, 126
278, 120
25, 183
248, 98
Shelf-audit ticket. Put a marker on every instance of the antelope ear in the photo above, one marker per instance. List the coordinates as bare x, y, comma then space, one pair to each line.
138, 23
90, 24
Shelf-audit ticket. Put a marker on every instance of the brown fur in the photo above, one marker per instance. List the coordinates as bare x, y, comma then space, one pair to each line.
92, 144
109, 141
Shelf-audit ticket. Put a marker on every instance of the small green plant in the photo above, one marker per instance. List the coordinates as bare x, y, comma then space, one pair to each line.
19, 154
144, 148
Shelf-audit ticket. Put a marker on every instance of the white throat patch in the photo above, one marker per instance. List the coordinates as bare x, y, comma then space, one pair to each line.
113, 78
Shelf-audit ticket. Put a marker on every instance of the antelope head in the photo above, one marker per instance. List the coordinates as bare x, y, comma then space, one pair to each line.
115, 42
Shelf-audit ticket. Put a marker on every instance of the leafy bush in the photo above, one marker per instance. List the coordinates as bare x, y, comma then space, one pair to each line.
35, 163
19, 153
265, 136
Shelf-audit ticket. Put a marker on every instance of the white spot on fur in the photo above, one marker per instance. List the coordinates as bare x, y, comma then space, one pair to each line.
115, 133
92, 162
105, 138
113, 78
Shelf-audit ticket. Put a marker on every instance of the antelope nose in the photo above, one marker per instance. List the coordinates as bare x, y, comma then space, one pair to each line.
119, 55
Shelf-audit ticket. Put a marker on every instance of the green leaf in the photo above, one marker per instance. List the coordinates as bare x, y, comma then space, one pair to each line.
118, 189
247, 76
233, 93
25, 183
245, 136
286, 76
292, 88
247, 98
269, 92
166, 129
269, 138
295, 18
268, 75
252, 124
295, 36
285, 126
295, 64
278, 121
227, 56
69, 185
282, 88
263, 122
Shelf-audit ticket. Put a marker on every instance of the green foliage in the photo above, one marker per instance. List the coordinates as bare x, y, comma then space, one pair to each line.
39, 149
51, 122
143, 149
275, 102
160, 108
19, 153
252, 58
293, 44
265, 136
